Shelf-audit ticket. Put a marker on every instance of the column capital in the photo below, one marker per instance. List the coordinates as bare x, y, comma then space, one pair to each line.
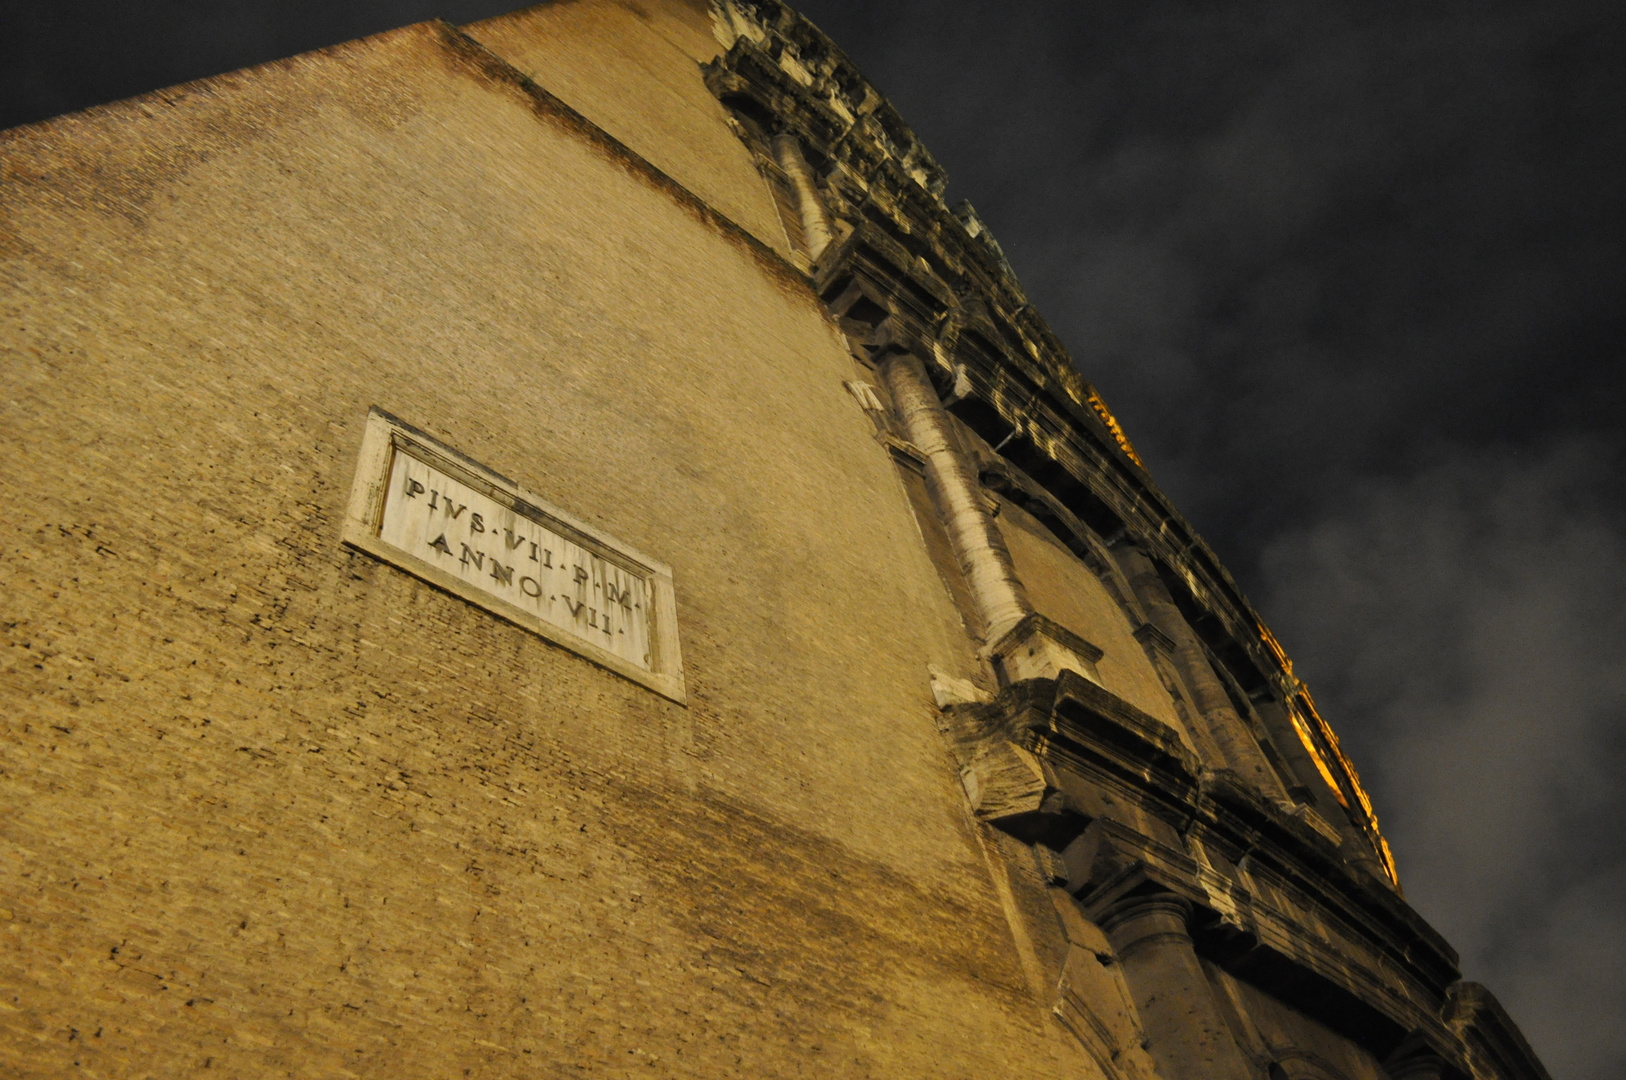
1136, 922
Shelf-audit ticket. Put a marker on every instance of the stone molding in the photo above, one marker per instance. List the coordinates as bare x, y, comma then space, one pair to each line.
1494, 1043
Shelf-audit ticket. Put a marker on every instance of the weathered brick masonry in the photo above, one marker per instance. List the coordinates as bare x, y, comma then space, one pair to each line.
272, 806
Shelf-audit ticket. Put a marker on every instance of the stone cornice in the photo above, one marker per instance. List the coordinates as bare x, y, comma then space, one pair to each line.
1495, 1045
1277, 900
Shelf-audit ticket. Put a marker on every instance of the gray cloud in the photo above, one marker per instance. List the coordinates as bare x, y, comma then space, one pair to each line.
1466, 624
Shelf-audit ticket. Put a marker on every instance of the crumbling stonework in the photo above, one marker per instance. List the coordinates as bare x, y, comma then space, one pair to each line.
977, 762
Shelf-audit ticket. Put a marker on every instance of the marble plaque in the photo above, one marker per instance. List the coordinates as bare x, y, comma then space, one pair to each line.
427, 509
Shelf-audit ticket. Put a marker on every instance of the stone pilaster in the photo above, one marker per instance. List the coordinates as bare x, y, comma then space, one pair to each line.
1228, 731
960, 504
1186, 1034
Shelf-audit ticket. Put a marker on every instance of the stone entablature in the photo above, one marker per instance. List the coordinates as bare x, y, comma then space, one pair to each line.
1271, 894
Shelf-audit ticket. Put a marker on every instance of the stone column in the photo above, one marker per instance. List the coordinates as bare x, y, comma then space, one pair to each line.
1414, 1059
957, 497
816, 227
1185, 1032
1227, 729
1416, 1069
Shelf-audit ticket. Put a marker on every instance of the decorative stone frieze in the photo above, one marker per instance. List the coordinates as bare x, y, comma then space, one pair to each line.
1270, 894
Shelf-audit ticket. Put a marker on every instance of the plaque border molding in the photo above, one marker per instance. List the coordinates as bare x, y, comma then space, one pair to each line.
386, 435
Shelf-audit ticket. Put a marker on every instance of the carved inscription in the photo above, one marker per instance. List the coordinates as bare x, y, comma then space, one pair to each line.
516, 559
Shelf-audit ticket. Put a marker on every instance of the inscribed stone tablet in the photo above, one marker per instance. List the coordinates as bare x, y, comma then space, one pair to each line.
425, 508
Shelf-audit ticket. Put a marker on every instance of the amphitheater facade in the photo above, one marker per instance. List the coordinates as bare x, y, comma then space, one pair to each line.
548, 548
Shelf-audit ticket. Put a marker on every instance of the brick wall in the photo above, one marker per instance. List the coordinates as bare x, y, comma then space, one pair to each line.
273, 808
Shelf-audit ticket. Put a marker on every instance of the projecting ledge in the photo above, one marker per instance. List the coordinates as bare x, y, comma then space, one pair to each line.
1037, 648
1077, 733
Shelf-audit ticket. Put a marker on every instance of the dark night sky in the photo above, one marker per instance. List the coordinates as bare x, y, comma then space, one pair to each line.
1353, 277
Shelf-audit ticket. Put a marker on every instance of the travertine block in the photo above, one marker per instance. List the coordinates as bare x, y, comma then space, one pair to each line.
1037, 648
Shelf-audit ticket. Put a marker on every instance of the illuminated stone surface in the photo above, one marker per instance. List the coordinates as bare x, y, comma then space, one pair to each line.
301, 777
